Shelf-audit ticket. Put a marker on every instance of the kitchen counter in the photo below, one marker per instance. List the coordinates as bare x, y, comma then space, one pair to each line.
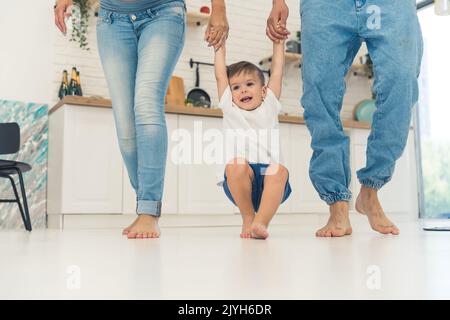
194, 111
88, 182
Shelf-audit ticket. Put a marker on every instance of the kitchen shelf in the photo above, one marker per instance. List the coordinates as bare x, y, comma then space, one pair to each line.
193, 111
357, 69
289, 57
197, 18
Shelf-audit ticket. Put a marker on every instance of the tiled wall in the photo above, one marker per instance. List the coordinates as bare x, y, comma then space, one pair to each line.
33, 121
247, 41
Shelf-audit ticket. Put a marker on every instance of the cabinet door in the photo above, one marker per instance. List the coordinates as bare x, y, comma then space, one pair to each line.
304, 198
399, 195
198, 192
92, 167
170, 196
285, 149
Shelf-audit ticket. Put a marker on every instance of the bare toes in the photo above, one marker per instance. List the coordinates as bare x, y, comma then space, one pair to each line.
337, 234
385, 230
126, 230
393, 230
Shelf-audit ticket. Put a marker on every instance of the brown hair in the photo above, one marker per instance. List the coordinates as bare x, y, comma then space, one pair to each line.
246, 67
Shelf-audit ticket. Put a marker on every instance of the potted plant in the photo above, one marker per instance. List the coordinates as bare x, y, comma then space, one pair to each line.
80, 20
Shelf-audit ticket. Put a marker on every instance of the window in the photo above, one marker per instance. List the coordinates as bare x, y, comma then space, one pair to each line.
433, 117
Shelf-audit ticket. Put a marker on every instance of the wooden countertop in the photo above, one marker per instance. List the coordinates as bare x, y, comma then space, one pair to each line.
193, 111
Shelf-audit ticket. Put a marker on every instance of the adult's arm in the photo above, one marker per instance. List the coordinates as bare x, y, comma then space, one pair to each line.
276, 23
217, 31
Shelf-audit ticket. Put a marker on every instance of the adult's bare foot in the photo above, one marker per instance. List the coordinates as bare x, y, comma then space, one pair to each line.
368, 204
339, 223
127, 229
145, 226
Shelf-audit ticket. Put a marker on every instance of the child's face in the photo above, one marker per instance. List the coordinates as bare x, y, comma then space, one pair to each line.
247, 90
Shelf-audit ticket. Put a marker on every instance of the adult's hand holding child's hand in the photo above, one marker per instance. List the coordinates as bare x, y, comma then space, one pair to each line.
276, 23
217, 31
61, 12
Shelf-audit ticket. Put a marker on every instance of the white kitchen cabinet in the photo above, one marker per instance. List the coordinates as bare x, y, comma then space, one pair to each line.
170, 195
304, 198
129, 196
198, 192
87, 177
84, 165
285, 149
400, 194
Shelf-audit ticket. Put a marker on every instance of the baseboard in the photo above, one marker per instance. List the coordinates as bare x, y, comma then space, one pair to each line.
84, 221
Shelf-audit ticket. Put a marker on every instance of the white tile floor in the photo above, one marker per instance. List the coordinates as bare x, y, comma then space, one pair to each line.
214, 263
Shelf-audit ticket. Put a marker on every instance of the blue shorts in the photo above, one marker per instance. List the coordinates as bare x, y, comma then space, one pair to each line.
259, 170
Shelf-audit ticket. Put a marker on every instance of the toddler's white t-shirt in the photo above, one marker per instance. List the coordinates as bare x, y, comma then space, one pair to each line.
253, 135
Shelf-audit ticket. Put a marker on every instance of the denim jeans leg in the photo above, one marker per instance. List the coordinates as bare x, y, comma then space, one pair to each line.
395, 46
329, 44
160, 43
139, 53
117, 46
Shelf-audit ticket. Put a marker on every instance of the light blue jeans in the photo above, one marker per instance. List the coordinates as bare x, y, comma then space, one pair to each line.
138, 53
332, 33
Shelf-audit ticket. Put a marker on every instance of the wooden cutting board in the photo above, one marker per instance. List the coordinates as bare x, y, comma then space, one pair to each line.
175, 92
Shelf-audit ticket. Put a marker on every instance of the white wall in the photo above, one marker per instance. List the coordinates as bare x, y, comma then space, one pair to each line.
34, 53
247, 41
26, 50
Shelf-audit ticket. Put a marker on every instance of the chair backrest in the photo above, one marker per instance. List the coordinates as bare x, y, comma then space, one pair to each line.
9, 138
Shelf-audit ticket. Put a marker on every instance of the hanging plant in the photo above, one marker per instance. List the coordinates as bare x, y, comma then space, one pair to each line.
80, 22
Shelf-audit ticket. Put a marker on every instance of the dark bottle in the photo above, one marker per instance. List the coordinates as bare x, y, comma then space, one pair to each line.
64, 87
79, 90
73, 83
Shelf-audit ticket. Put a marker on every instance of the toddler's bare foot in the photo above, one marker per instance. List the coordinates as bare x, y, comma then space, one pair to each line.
145, 226
259, 230
368, 204
339, 223
247, 221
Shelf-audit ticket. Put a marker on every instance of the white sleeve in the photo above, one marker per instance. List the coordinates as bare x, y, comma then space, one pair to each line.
226, 100
273, 101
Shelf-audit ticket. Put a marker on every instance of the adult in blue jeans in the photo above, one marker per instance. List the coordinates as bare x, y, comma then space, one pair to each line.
332, 33
139, 43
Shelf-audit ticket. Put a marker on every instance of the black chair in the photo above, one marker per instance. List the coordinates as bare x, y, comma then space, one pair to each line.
9, 144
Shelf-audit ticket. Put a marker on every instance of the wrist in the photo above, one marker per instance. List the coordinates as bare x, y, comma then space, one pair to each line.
218, 3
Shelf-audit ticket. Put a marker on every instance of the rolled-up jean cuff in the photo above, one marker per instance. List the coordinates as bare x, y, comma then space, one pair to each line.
148, 207
369, 183
335, 197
